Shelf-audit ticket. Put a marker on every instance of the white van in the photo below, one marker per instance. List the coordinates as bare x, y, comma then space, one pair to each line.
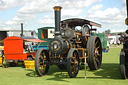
113, 39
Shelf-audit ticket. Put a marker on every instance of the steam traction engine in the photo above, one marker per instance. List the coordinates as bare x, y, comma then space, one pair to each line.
70, 47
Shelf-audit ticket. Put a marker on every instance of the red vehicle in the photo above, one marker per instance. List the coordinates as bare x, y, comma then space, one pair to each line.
16, 50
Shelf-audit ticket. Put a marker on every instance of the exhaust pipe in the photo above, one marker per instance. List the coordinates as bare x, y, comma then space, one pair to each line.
57, 10
21, 30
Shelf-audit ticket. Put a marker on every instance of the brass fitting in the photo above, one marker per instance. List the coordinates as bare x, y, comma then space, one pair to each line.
57, 8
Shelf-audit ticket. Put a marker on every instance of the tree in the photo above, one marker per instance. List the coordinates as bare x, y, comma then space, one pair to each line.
107, 31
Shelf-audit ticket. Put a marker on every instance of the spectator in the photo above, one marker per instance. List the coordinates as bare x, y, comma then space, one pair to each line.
118, 42
115, 43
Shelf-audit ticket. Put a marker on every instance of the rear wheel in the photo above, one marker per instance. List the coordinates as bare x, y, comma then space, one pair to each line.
123, 65
41, 62
73, 62
95, 53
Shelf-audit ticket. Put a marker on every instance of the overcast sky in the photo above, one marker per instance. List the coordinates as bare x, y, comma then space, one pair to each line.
34, 14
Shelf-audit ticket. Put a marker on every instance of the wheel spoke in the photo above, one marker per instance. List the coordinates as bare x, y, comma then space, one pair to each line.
74, 64
97, 61
43, 53
44, 68
95, 55
41, 57
40, 63
73, 58
96, 43
74, 69
97, 47
98, 54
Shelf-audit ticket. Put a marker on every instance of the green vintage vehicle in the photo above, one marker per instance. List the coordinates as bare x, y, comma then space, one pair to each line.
46, 34
104, 41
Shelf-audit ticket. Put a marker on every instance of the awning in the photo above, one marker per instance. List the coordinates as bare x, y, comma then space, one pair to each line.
35, 40
79, 22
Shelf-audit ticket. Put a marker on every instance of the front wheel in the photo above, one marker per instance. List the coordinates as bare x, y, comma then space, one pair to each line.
41, 62
73, 62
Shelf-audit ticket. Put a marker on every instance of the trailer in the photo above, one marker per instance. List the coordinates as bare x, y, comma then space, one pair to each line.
18, 49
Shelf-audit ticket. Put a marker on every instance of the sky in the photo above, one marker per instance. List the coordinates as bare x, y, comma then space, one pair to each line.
35, 14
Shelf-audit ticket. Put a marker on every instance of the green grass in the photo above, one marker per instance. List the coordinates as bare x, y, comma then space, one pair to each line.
109, 74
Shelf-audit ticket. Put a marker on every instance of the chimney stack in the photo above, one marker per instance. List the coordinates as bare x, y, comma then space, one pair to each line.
57, 10
21, 29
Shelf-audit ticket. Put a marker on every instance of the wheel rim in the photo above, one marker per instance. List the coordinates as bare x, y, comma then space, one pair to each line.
97, 53
42, 62
74, 63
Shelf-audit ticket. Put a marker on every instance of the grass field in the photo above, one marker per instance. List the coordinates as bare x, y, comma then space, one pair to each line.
109, 74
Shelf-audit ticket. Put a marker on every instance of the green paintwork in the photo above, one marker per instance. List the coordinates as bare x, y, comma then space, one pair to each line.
40, 35
103, 39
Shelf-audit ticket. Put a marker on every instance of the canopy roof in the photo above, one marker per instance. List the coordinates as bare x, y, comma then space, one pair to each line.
44, 28
34, 40
27, 39
79, 22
